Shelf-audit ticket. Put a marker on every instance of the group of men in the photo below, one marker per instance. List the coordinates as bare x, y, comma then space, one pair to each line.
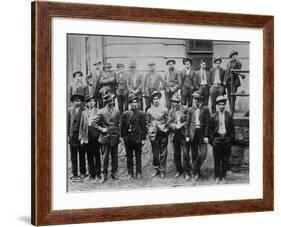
96, 126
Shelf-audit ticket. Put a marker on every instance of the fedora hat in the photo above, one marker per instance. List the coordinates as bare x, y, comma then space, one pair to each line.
77, 96
107, 65
77, 73
221, 99
156, 93
90, 98
132, 97
170, 60
187, 59
175, 98
217, 60
232, 53
119, 64
108, 97
132, 64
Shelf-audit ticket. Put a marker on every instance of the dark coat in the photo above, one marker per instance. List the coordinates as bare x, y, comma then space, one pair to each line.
133, 126
188, 79
93, 81
227, 76
197, 79
204, 118
229, 126
111, 120
84, 127
108, 83
213, 74
173, 81
73, 125
121, 83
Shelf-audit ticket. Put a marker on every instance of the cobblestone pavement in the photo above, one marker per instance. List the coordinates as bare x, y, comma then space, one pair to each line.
236, 175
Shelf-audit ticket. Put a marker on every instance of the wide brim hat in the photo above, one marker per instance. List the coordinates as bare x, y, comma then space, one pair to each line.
175, 98
75, 96
132, 97
217, 60
197, 95
108, 97
90, 98
232, 53
156, 93
107, 65
221, 99
119, 64
170, 60
187, 59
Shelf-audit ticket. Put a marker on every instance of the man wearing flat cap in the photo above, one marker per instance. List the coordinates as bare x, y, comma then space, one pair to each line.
231, 79
197, 126
107, 80
217, 82
202, 82
188, 75
88, 136
107, 122
151, 83
172, 83
135, 80
73, 125
93, 81
121, 88
176, 122
221, 137
133, 131
157, 119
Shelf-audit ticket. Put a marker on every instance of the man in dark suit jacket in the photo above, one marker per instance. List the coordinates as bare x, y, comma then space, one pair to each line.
217, 82
107, 80
121, 88
107, 121
133, 131
197, 125
73, 124
202, 82
221, 136
188, 75
176, 122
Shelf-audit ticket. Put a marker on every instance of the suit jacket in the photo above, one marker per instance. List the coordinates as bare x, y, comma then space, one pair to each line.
93, 81
157, 120
106, 118
172, 81
173, 120
135, 85
108, 82
121, 83
152, 80
229, 126
197, 79
213, 74
204, 118
84, 125
227, 76
133, 126
73, 125
188, 79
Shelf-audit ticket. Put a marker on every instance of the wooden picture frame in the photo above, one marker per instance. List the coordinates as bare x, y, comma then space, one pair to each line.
42, 12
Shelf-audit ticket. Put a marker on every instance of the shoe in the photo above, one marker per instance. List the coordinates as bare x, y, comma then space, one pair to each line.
139, 176
129, 176
83, 176
217, 180
177, 174
187, 177
196, 177
103, 179
154, 174
74, 178
162, 175
114, 176
223, 181
89, 178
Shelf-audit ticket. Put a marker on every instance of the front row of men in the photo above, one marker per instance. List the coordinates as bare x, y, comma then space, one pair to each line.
96, 134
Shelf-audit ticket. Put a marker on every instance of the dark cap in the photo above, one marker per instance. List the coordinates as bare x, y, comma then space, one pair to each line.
233, 53
79, 73
77, 96
170, 60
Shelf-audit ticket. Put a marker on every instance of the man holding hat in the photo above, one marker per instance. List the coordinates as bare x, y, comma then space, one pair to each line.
217, 82
73, 125
231, 78
122, 88
93, 81
135, 80
176, 121
157, 119
151, 83
88, 136
133, 131
197, 134
188, 75
222, 136
107, 80
202, 82
107, 121
172, 81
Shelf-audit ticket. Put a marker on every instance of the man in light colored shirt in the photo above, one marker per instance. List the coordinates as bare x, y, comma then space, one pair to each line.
222, 136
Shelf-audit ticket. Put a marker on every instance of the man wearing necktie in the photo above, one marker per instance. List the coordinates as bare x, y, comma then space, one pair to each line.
202, 82
222, 136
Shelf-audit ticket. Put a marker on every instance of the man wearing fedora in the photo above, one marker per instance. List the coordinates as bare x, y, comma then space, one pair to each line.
188, 75
107, 80
197, 126
157, 119
133, 131
151, 83
88, 136
121, 88
107, 122
232, 84
135, 81
177, 119
172, 81
217, 82
222, 136
202, 82
73, 125
93, 81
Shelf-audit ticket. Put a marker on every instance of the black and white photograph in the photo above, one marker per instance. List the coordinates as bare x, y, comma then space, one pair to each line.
145, 112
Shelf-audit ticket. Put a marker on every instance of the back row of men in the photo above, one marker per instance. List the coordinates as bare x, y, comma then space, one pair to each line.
121, 83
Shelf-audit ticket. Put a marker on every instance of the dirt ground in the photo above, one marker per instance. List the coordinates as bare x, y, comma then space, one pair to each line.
238, 173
